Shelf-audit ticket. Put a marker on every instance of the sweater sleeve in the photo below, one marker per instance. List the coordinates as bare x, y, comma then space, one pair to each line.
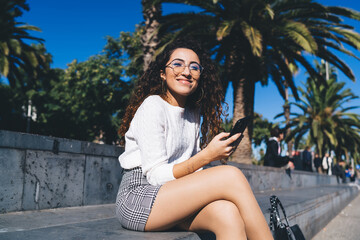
149, 132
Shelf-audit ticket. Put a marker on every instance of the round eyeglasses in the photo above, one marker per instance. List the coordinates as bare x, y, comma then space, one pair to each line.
178, 66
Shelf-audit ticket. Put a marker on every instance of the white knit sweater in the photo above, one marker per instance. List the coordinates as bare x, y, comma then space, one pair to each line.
160, 135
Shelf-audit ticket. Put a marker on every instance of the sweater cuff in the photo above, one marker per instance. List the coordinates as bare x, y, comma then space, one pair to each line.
161, 175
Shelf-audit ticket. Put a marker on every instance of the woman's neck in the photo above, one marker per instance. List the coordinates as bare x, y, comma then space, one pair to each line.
175, 99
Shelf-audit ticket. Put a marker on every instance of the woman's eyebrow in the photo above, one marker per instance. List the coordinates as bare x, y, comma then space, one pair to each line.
179, 59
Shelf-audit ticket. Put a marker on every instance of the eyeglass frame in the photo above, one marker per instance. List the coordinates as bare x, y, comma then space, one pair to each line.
188, 66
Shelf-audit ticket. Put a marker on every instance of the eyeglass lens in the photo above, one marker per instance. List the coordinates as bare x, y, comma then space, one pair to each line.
178, 66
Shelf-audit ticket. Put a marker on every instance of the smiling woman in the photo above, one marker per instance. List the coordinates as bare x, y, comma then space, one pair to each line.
181, 76
164, 185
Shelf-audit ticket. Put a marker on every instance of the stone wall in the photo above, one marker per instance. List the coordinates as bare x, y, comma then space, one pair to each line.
263, 178
38, 172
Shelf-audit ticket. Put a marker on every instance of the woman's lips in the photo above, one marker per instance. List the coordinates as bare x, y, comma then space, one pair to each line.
185, 81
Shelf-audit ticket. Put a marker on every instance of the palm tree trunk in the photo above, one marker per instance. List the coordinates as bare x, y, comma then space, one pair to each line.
244, 92
287, 118
149, 39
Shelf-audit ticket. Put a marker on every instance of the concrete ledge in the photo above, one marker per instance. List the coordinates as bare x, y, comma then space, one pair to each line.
311, 208
89, 222
269, 178
38, 172
25, 141
344, 226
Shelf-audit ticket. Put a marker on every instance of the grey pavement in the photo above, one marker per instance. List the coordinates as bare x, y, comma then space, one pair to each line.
99, 221
346, 225
75, 223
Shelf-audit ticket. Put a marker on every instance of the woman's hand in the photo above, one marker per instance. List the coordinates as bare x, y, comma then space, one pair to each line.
291, 165
220, 147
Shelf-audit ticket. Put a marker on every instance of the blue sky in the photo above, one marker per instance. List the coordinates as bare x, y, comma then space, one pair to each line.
76, 30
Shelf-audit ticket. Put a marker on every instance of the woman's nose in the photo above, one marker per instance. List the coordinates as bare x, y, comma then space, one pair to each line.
186, 71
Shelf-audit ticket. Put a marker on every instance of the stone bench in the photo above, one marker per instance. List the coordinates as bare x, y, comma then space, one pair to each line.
54, 188
312, 207
310, 199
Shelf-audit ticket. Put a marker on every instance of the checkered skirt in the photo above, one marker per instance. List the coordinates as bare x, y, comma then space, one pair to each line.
135, 199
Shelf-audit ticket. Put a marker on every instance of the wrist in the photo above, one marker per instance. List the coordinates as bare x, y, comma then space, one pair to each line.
206, 156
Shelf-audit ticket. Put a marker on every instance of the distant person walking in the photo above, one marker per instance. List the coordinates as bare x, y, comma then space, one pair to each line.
317, 163
307, 159
327, 164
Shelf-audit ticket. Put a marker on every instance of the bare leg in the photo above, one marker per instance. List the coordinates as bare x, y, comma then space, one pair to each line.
220, 217
181, 198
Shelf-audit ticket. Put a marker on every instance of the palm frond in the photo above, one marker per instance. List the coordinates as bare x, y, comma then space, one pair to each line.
299, 33
254, 37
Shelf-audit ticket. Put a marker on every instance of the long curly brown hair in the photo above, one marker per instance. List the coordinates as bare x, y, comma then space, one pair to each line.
207, 97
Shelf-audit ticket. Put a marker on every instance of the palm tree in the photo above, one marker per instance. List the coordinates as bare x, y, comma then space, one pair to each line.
324, 118
261, 130
258, 40
348, 138
286, 108
151, 13
16, 56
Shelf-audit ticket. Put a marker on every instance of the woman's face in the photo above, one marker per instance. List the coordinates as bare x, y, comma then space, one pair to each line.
181, 81
281, 136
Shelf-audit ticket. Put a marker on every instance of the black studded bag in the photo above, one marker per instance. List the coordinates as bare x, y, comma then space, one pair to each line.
282, 230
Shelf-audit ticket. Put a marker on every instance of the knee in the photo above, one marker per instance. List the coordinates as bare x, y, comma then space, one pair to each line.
227, 216
231, 181
229, 213
232, 174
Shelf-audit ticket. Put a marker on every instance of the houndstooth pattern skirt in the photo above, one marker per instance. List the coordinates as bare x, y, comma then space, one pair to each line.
135, 199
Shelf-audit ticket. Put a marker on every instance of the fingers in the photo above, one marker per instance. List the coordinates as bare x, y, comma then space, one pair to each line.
236, 136
229, 150
233, 138
222, 135
222, 146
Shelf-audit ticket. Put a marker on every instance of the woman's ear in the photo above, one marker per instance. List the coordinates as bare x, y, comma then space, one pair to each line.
162, 75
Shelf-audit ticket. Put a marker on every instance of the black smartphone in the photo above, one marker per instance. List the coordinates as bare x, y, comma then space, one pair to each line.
240, 126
